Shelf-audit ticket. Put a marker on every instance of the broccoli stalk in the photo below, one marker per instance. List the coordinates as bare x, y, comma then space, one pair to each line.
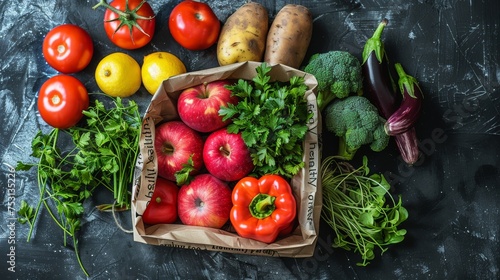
356, 122
338, 74
344, 152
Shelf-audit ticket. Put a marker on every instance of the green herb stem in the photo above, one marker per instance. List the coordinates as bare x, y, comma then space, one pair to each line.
355, 206
104, 150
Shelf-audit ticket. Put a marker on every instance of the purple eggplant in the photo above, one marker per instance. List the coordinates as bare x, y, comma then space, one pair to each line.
378, 84
381, 90
408, 145
408, 112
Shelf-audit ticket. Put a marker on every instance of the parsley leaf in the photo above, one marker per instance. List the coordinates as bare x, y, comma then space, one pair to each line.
73, 164
183, 177
272, 118
26, 213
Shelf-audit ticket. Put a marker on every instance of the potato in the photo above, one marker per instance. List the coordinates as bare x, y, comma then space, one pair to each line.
289, 36
243, 35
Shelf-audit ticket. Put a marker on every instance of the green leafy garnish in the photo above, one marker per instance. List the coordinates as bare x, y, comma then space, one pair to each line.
109, 146
356, 207
183, 176
102, 153
26, 214
272, 118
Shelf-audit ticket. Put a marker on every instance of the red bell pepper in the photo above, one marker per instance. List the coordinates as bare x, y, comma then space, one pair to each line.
162, 208
263, 208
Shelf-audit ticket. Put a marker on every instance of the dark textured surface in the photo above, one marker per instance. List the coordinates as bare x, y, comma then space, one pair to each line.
452, 193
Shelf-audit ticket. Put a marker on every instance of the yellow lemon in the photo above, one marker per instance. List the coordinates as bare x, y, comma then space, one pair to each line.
118, 75
159, 66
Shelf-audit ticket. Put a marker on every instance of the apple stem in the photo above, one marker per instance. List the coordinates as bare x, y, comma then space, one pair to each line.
262, 206
167, 149
225, 151
204, 92
199, 203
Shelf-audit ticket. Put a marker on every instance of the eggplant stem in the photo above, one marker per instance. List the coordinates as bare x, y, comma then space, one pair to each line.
406, 82
375, 44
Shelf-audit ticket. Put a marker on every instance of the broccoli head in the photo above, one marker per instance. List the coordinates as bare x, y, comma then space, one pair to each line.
356, 122
338, 74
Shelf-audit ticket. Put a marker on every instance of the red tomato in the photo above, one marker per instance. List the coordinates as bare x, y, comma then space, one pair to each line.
194, 25
61, 100
68, 48
162, 209
129, 24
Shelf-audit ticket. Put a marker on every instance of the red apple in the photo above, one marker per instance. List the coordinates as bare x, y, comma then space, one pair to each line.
175, 143
205, 201
226, 156
198, 107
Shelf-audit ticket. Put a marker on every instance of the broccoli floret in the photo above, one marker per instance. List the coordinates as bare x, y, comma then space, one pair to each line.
356, 122
338, 74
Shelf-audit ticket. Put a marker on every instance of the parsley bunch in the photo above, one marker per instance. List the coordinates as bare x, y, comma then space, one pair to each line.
272, 118
102, 153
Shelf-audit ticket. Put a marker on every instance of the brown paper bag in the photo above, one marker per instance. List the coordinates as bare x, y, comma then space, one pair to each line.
306, 185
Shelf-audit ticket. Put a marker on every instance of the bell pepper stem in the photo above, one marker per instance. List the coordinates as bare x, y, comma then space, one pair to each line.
262, 206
